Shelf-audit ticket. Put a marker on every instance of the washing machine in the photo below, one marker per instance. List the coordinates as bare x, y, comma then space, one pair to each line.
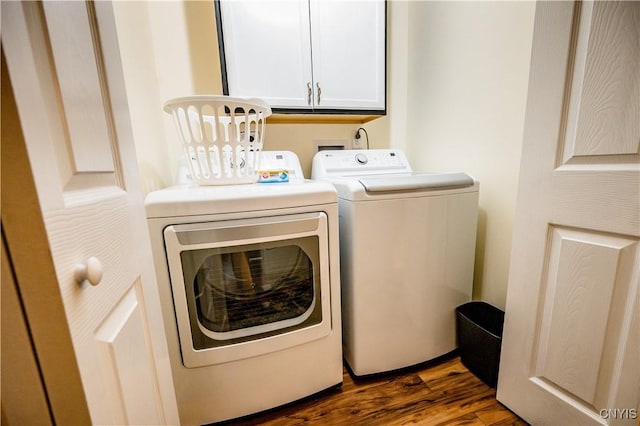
250, 291
407, 247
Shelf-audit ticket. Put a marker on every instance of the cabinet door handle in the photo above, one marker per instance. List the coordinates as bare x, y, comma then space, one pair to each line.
319, 92
309, 93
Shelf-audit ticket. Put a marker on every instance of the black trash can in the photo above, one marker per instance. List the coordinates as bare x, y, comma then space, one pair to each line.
479, 327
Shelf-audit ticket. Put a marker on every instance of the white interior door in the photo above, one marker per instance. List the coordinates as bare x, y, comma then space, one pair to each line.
65, 70
571, 343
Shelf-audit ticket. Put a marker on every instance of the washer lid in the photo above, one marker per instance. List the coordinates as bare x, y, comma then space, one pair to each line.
415, 181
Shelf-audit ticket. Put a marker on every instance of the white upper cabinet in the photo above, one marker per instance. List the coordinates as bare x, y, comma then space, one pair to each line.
305, 55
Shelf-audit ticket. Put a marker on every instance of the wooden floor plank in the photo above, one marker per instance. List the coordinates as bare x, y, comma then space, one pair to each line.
494, 414
444, 369
466, 420
511, 422
444, 393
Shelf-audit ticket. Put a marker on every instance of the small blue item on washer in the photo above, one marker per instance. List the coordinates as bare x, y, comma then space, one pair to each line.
274, 176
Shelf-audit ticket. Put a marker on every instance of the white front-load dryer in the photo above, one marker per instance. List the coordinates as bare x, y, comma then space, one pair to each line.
407, 248
250, 292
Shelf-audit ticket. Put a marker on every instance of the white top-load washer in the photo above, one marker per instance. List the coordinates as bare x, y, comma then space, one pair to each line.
407, 248
250, 291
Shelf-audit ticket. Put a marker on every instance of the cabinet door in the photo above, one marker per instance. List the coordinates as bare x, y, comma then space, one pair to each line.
267, 51
348, 44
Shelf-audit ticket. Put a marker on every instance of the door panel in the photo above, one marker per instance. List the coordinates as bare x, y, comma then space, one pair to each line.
79, 82
584, 302
64, 65
604, 106
130, 373
571, 349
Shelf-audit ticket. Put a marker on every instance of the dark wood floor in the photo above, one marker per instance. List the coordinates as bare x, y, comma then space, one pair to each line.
441, 393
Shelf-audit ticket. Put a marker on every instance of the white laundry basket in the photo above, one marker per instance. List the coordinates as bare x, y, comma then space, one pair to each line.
221, 136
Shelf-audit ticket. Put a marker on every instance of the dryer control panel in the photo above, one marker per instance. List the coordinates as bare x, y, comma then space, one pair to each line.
352, 162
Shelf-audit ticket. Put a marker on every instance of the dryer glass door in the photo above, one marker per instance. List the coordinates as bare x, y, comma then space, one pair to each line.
247, 287
243, 291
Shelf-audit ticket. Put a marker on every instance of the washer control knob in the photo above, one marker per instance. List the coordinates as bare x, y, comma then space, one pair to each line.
361, 158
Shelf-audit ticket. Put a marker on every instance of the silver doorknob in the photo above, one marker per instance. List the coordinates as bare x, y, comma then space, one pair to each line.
90, 270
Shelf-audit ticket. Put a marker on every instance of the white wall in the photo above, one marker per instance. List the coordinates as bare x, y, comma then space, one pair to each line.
141, 80
169, 49
467, 72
